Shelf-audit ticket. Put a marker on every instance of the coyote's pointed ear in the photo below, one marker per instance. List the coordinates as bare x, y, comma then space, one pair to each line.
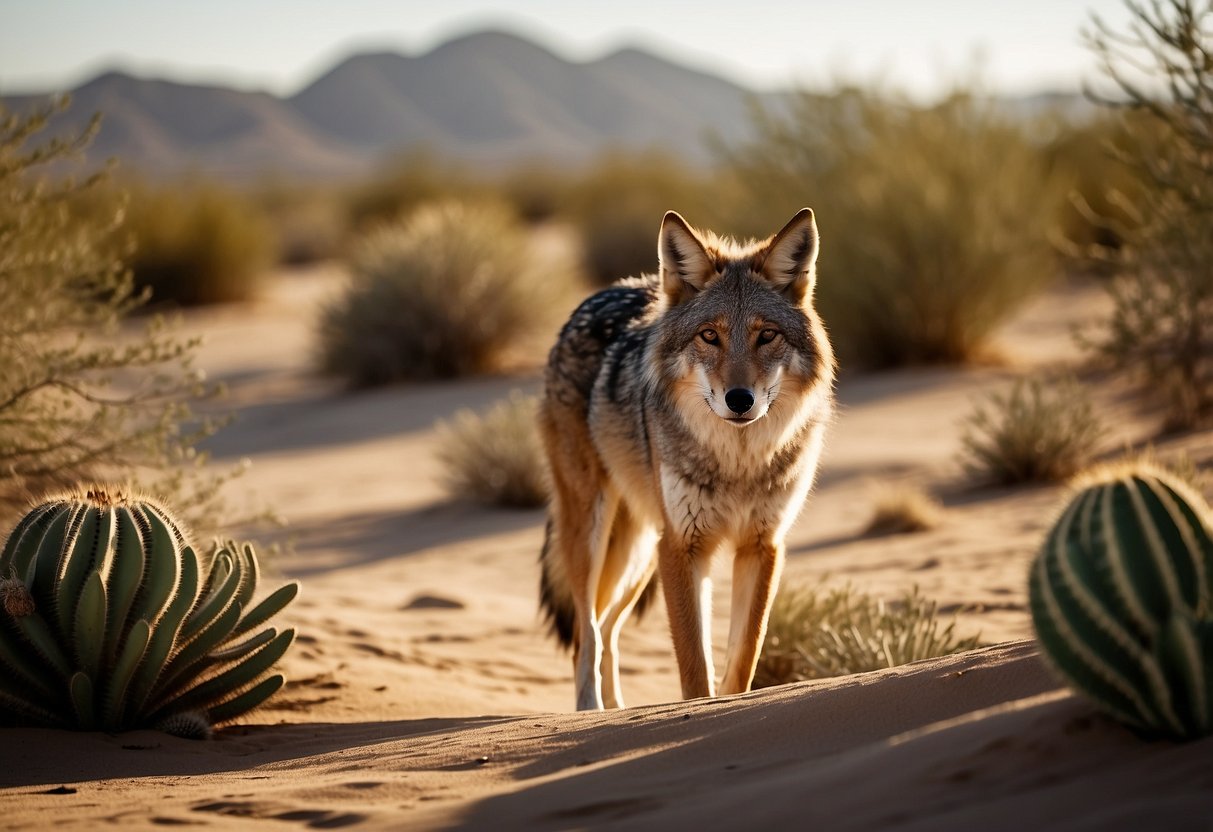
685, 264
791, 257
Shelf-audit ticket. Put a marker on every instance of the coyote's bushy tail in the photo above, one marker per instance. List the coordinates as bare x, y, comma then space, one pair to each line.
556, 597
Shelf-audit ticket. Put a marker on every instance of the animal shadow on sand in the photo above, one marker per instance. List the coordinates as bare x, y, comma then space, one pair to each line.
324, 417
375, 536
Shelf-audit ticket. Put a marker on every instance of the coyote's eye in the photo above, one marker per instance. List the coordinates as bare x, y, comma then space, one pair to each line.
709, 335
767, 336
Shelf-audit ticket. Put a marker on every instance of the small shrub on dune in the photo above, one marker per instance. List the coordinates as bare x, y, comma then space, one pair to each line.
449, 292
1035, 432
902, 509
495, 458
197, 243
813, 635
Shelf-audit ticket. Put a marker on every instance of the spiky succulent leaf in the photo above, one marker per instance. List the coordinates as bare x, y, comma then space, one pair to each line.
44, 569
23, 543
163, 571
23, 667
125, 576
273, 603
246, 701
213, 690
228, 576
74, 568
39, 636
165, 636
83, 702
114, 698
88, 635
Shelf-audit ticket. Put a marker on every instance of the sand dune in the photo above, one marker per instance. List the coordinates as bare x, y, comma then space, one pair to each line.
424, 693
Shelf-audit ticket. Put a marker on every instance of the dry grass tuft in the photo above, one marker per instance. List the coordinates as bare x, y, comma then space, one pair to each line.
903, 508
1038, 431
814, 636
494, 458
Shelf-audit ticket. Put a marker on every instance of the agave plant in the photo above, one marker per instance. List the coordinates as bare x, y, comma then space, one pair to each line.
113, 622
1122, 601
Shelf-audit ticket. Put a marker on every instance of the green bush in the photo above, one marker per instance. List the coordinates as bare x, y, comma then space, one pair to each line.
934, 220
1038, 431
197, 243
77, 401
1161, 327
307, 222
449, 292
618, 204
406, 184
813, 636
1094, 214
495, 458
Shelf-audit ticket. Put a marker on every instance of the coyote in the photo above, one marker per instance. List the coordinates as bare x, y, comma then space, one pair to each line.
683, 413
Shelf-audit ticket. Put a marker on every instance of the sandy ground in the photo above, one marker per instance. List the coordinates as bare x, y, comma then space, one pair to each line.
424, 694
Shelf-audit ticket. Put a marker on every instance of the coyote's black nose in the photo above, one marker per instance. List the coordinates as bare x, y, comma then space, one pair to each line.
739, 400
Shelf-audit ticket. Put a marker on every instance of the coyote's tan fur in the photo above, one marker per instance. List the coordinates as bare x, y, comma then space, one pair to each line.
683, 414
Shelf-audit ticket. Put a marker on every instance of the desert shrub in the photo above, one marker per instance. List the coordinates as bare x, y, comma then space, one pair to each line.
903, 508
931, 218
1161, 327
306, 222
448, 292
197, 243
80, 395
495, 457
537, 192
406, 184
618, 204
813, 635
1096, 184
1038, 431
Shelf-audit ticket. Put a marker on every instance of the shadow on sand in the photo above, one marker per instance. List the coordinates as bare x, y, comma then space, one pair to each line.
326, 417
361, 539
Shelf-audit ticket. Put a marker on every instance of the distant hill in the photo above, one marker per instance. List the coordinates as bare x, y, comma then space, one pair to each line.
488, 99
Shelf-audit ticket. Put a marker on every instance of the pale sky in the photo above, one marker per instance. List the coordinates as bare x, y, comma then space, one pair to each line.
921, 46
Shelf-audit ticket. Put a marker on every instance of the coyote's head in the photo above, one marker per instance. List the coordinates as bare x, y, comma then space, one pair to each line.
739, 328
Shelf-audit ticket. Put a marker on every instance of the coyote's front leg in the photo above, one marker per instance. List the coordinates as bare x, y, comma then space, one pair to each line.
756, 569
688, 598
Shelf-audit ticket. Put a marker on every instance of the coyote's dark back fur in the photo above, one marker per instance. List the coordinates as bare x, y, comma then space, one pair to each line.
602, 320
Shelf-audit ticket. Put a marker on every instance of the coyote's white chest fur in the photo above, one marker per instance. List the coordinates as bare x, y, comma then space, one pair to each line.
687, 411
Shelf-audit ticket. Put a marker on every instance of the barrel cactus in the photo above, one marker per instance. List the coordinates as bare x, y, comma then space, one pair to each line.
1122, 601
112, 621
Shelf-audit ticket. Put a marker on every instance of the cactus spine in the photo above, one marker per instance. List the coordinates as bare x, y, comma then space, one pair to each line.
1122, 601
112, 621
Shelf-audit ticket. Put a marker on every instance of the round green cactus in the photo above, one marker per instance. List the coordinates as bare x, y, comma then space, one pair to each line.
112, 621
1122, 601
